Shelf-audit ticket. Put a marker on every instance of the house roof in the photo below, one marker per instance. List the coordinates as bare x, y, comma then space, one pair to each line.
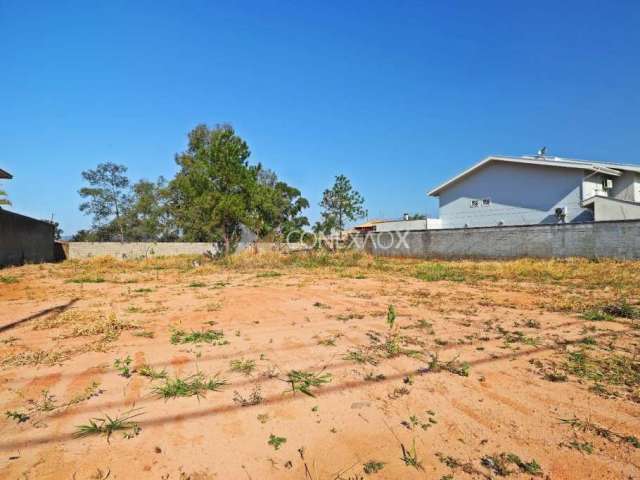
5, 174
613, 169
368, 224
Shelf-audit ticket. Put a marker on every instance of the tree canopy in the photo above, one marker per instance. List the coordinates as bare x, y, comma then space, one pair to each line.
3, 198
107, 195
340, 203
214, 196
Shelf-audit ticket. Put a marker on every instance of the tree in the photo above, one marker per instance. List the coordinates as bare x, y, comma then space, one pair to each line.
280, 206
215, 191
57, 231
340, 204
107, 195
417, 216
147, 217
3, 198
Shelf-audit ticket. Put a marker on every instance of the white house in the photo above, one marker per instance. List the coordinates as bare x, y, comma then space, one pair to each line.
529, 190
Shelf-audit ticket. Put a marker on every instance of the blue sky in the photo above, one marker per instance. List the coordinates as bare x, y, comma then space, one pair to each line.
398, 96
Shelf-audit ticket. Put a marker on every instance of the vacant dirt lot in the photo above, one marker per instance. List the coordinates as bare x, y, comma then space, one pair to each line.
320, 367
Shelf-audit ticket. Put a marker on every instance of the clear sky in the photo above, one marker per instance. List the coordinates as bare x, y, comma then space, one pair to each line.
397, 95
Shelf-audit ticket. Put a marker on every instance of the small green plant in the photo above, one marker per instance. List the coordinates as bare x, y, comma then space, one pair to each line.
391, 316
123, 366
410, 456
214, 337
360, 356
302, 381
596, 315
90, 391
530, 468
195, 385
435, 272
372, 466
150, 372
107, 425
6, 279
452, 366
197, 285
243, 366
600, 431
498, 464
268, 274
46, 403
87, 279
276, 442
583, 447
17, 416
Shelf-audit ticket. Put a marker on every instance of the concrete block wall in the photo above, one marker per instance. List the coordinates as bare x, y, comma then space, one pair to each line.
132, 250
619, 239
24, 239
79, 250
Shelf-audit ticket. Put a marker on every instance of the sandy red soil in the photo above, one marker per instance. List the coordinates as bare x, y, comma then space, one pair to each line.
503, 405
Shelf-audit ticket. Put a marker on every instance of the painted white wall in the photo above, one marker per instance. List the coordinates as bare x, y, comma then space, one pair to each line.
624, 187
518, 194
401, 225
611, 209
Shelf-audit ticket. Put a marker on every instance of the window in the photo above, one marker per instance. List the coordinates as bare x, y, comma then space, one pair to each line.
486, 202
475, 203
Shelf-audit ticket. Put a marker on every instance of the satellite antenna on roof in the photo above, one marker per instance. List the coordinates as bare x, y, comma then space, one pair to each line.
542, 152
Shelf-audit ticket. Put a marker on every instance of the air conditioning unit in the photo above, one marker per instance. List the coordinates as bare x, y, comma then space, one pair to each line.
561, 213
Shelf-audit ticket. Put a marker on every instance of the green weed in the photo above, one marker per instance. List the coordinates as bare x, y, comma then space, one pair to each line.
372, 466
410, 456
276, 442
17, 416
107, 425
195, 385
150, 372
123, 366
213, 337
243, 366
302, 381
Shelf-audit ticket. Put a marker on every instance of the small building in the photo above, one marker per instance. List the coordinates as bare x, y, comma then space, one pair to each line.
538, 189
368, 226
24, 239
399, 225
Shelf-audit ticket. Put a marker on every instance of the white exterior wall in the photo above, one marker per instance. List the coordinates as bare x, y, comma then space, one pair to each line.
401, 225
518, 194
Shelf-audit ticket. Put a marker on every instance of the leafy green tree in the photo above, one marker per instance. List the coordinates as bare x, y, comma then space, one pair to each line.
57, 231
280, 207
340, 203
147, 217
215, 191
3, 198
417, 216
107, 196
